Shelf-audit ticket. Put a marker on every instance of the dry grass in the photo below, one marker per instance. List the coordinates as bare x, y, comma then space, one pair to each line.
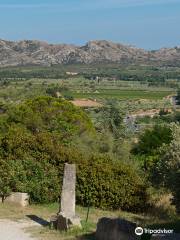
11, 212
44, 212
162, 206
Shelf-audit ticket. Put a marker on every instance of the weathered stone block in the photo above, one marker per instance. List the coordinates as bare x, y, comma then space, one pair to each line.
62, 223
74, 221
17, 198
65, 223
115, 229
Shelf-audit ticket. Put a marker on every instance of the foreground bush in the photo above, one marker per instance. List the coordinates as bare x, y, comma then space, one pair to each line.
101, 182
167, 169
35, 145
106, 184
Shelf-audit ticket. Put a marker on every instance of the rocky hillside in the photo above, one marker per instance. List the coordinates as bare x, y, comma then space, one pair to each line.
41, 53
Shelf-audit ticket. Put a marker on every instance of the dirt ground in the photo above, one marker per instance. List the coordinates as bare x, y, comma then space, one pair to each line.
86, 103
15, 230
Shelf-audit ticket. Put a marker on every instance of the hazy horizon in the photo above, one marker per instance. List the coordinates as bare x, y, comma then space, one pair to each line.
148, 24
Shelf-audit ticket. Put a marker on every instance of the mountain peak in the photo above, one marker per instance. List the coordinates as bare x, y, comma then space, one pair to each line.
36, 52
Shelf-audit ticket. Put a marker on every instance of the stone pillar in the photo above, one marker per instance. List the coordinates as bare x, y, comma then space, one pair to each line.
67, 216
68, 195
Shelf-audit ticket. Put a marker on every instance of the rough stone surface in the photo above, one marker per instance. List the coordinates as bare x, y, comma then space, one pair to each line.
62, 223
67, 216
30, 52
115, 229
17, 198
68, 195
53, 221
74, 221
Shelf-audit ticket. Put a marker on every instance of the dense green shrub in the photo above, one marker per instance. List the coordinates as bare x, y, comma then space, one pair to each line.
110, 185
48, 114
38, 164
147, 148
166, 171
152, 139
6, 178
33, 157
39, 179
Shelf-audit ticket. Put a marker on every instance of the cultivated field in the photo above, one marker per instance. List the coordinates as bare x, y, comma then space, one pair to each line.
123, 94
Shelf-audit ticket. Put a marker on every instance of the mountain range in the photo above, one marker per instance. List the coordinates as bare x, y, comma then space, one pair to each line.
32, 52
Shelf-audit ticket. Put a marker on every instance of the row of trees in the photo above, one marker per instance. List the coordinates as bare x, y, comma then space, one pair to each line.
126, 72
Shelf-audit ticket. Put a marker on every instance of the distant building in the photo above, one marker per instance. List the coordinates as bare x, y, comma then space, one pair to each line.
72, 73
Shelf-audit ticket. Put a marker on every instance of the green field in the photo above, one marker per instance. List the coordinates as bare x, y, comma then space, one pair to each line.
80, 87
123, 94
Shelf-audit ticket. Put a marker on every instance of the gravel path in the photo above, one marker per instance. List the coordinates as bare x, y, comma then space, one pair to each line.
10, 230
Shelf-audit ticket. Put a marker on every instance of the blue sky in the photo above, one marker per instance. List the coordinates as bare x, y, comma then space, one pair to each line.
149, 24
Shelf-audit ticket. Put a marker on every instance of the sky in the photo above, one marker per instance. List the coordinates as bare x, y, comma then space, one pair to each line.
149, 24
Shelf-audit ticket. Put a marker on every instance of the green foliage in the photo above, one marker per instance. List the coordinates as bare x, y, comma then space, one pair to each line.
54, 90
110, 185
31, 145
6, 179
39, 179
152, 139
33, 164
123, 94
178, 96
113, 118
39, 135
147, 149
109, 118
27, 164
37, 142
56, 116
38, 162
167, 169
127, 72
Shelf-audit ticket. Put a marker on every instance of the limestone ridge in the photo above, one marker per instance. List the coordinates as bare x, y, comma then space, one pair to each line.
30, 52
